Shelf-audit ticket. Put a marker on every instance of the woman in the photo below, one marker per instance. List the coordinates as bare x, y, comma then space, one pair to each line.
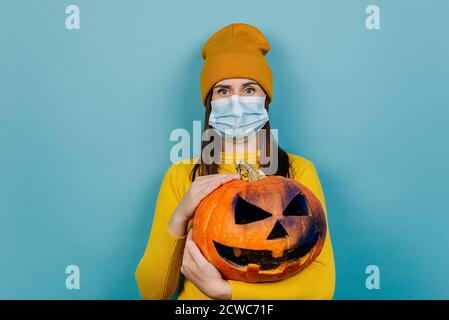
236, 89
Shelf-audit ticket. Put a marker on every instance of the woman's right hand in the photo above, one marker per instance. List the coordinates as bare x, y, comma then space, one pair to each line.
200, 188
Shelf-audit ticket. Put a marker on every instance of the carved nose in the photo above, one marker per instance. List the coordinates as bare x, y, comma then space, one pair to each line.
277, 232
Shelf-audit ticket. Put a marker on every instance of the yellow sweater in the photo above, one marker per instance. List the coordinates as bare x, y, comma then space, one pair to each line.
158, 272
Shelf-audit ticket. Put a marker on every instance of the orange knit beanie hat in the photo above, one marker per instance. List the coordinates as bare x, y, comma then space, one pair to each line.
236, 51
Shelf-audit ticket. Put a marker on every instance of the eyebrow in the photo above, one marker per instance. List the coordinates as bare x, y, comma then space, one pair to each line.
250, 82
228, 86
222, 86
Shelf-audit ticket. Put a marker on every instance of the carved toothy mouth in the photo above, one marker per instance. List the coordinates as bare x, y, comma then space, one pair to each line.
264, 258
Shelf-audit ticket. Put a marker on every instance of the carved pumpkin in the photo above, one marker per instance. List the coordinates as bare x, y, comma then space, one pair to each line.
259, 228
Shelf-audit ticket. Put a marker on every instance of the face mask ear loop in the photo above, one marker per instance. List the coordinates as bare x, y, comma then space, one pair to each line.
263, 101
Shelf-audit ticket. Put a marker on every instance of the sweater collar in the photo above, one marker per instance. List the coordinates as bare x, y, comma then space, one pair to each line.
231, 158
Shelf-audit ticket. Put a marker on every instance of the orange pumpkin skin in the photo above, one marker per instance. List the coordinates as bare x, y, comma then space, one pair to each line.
284, 250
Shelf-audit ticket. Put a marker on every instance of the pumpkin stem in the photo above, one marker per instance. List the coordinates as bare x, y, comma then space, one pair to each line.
248, 172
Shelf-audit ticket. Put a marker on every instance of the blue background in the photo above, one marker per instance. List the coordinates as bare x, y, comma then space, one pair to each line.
85, 119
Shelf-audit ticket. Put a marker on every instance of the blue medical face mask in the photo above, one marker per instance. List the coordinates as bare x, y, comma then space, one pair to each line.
238, 117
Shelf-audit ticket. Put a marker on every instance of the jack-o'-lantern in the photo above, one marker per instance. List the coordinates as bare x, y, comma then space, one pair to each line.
259, 228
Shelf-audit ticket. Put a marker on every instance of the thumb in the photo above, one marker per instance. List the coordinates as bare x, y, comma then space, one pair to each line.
189, 234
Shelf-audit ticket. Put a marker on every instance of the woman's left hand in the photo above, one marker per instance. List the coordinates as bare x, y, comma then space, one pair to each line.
203, 274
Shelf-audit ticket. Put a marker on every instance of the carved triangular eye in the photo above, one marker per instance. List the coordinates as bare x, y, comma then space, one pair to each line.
246, 212
298, 206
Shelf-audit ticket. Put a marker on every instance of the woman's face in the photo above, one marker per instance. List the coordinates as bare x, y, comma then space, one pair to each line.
237, 86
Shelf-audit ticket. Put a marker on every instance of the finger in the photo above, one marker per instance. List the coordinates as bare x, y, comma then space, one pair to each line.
187, 261
199, 186
221, 179
224, 176
213, 175
196, 255
190, 263
186, 254
208, 188
189, 234
219, 176
217, 181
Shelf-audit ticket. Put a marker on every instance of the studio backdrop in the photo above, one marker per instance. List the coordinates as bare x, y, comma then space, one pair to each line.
90, 92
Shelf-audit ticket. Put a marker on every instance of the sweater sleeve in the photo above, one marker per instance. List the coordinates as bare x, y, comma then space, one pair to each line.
317, 281
157, 274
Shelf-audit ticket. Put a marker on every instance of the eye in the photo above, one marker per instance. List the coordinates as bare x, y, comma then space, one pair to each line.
223, 92
246, 212
249, 90
298, 206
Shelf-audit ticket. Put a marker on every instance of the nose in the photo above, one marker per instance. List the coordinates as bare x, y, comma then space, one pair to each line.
277, 232
236, 105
